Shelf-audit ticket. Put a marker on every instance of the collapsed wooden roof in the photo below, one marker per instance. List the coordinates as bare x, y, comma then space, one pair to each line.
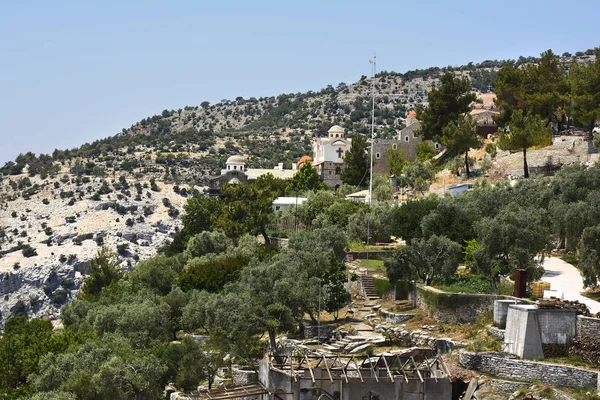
347, 367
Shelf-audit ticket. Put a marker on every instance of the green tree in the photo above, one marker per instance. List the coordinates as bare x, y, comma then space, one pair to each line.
201, 214
525, 131
53, 395
406, 219
248, 206
546, 88
103, 272
419, 174
211, 275
208, 243
356, 163
306, 179
460, 136
396, 161
585, 91
447, 104
589, 256
155, 274
436, 257
382, 189
425, 150
511, 239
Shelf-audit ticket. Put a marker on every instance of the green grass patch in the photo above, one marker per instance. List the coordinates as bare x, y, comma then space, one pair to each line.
571, 259
472, 284
382, 286
592, 294
360, 246
581, 394
373, 265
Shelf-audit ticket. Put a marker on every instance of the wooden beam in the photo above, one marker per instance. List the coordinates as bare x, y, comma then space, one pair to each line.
312, 375
417, 369
358, 369
373, 369
388, 369
327, 368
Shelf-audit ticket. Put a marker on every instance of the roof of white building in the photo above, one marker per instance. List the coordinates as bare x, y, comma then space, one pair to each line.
254, 173
289, 200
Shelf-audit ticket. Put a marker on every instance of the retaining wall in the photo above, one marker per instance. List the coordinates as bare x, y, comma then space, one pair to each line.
498, 364
393, 318
587, 326
455, 308
373, 255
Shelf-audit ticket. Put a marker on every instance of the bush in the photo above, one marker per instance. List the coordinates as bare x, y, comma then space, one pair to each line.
382, 286
28, 251
471, 284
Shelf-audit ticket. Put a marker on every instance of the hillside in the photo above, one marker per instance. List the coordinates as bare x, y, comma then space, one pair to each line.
127, 191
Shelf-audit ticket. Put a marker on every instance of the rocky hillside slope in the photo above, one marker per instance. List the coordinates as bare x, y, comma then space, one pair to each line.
127, 191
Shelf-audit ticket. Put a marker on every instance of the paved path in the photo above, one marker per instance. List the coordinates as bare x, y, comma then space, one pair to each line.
565, 277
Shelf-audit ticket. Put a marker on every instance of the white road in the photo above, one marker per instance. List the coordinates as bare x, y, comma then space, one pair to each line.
564, 277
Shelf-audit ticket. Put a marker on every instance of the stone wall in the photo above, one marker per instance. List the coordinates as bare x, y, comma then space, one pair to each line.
455, 308
392, 318
499, 364
497, 332
587, 326
312, 331
242, 375
373, 255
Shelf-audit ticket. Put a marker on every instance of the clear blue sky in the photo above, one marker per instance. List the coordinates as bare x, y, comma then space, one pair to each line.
75, 71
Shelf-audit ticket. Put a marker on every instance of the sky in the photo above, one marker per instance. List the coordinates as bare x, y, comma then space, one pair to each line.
75, 71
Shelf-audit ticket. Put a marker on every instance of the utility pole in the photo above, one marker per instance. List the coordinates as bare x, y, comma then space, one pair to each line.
374, 65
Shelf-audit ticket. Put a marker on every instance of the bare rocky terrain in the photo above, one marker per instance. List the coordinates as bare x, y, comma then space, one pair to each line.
48, 239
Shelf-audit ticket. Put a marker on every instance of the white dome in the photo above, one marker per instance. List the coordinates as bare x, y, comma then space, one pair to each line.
236, 160
336, 129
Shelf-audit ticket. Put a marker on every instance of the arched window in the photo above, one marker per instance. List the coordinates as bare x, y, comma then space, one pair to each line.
338, 170
394, 146
235, 167
437, 146
406, 139
377, 156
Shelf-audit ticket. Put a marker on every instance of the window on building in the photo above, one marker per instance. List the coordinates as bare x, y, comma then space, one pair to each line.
406, 139
414, 134
338, 170
329, 172
437, 146
235, 167
394, 146
377, 156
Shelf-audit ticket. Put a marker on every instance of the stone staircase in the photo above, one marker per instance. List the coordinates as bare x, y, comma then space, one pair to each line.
369, 288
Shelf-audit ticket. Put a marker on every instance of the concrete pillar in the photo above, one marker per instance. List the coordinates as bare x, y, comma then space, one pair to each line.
501, 310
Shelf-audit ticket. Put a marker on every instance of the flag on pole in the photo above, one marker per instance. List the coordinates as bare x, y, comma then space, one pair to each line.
370, 61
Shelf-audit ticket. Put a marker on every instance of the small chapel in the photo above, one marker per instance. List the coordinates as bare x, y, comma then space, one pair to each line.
328, 155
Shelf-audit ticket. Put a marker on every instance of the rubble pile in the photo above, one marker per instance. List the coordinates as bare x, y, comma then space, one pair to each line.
586, 348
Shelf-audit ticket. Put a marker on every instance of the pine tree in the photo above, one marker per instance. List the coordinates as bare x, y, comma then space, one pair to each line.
446, 104
461, 136
356, 160
524, 131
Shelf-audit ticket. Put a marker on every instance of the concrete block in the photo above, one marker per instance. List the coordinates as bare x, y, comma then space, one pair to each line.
500, 311
522, 335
